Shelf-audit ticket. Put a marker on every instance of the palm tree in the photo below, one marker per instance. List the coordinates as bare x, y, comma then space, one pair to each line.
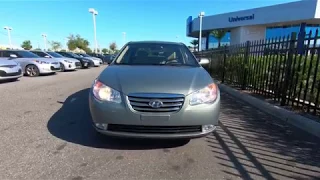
194, 42
218, 34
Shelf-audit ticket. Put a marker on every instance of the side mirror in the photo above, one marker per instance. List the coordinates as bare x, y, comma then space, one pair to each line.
13, 56
204, 61
46, 56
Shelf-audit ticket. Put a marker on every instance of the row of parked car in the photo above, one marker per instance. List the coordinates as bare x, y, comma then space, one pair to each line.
16, 63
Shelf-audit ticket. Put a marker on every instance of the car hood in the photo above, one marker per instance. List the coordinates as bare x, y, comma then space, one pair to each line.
70, 59
155, 79
4, 62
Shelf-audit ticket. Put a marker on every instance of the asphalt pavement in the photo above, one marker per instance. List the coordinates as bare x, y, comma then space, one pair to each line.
45, 133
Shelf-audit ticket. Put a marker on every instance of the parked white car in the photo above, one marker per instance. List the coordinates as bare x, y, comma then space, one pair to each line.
9, 70
96, 61
31, 64
65, 63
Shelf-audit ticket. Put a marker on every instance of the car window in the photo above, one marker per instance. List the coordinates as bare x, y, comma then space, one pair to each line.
156, 54
54, 54
65, 54
39, 53
26, 54
8, 53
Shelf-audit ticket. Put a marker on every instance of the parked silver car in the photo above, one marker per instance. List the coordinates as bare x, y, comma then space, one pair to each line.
65, 63
9, 70
97, 61
32, 64
155, 90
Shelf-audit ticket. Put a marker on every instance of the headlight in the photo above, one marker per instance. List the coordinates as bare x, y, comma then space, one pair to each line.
105, 93
67, 61
206, 95
41, 62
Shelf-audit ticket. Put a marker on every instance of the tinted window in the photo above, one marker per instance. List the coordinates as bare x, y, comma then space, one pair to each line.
26, 54
72, 54
156, 54
39, 53
65, 54
85, 55
5, 54
54, 54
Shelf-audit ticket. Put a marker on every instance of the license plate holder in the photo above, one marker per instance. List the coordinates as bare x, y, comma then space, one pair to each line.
147, 117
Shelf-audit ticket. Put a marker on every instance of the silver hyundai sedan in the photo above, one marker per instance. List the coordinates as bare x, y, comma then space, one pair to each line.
31, 64
155, 90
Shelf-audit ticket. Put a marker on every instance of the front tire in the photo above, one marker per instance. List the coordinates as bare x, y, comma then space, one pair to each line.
32, 70
62, 68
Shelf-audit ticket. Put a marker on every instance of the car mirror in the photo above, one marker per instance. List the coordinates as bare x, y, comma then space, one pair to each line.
47, 56
204, 61
13, 56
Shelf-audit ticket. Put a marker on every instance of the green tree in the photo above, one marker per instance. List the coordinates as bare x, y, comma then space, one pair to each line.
26, 45
87, 50
195, 43
77, 41
105, 50
113, 46
218, 34
55, 45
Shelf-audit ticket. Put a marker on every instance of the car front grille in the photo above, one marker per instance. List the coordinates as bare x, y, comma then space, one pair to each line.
154, 129
78, 64
54, 69
170, 102
4, 74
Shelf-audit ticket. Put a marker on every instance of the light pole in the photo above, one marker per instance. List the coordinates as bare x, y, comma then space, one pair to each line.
45, 41
66, 43
94, 13
200, 32
124, 37
9, 35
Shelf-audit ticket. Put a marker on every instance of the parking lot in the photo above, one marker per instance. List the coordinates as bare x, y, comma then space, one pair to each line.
46, 133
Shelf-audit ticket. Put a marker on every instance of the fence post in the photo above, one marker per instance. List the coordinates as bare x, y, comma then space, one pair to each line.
246, 60
287, 69
224, 63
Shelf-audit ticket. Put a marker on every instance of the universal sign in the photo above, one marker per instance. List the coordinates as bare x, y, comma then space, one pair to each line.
241, 18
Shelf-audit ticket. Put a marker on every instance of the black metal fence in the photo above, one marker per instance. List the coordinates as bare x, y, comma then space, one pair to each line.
277, 68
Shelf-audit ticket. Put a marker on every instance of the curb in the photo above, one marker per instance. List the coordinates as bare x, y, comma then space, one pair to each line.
292, 118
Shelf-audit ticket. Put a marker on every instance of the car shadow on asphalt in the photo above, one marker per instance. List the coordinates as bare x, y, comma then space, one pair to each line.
250, 144
72, 123
9, 81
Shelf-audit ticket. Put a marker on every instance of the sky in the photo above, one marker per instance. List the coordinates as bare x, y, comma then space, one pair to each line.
140, 19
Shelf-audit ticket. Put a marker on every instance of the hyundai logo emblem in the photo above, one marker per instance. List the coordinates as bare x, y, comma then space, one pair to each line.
156, 104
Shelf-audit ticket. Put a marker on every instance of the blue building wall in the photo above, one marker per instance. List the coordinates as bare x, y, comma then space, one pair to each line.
270, 33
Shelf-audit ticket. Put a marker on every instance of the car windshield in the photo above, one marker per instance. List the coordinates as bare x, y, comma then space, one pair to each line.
56, 55
27, 54
73, 54
156, 54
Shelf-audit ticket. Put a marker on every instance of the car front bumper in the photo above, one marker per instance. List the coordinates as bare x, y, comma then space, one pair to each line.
96, 63
120, 120
49, 68
10, 73
69, 66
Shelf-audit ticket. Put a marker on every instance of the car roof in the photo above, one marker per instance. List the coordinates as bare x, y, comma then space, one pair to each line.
155, 42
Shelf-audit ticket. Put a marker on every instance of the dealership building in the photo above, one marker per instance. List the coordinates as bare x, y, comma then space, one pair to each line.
258, 23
